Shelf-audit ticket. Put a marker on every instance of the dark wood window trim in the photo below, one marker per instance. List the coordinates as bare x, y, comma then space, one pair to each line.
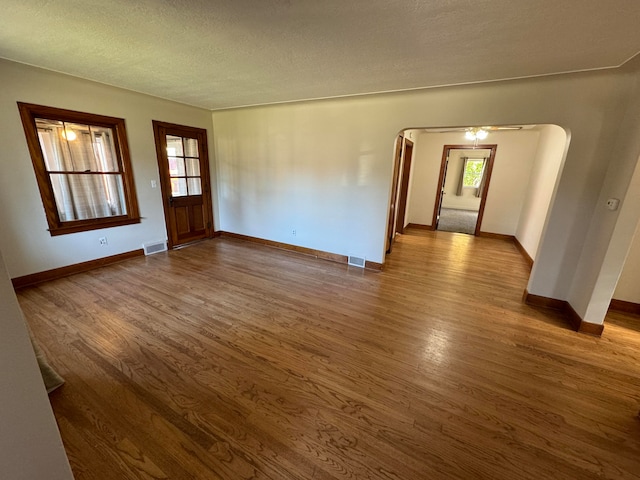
29, 113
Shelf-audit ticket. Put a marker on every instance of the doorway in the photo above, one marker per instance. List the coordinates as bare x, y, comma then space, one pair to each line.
465, 174
185, 182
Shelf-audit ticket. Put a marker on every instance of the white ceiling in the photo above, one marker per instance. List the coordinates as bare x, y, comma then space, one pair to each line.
220, 54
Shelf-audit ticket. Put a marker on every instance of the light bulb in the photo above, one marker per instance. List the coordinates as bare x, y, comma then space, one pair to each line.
482, 134
470, 135
69, 135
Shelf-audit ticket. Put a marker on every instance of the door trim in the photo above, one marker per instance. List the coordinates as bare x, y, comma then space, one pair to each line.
443, 168
160, 130
403, 194
391, 221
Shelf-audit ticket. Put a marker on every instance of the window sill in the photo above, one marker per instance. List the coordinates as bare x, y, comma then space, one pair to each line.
85, 226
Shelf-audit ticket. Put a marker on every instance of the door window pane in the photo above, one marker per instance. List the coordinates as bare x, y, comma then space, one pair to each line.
178, 187
195, 188
193, 167
191, 147
174, 146
176, 167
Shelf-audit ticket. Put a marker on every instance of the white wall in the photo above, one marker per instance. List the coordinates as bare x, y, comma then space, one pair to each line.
24, 237
514, 159
30, 444
628, 287
544, 177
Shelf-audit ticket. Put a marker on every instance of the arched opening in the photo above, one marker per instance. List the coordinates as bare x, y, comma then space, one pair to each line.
527, 163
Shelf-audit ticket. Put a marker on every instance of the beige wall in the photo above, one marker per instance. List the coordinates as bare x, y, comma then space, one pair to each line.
628, 287
24, 237
547, 165
30, 444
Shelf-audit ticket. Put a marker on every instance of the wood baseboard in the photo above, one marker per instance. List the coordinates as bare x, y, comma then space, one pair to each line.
576, 322
332, 257
499, 236
624, 306
54, 274
419, 226
544, 302
510, 238
524, 253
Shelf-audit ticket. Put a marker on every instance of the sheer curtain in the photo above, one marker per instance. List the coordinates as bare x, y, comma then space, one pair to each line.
83, 170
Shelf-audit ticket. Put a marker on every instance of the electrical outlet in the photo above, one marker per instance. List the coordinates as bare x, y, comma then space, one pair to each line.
103, 241
294, 233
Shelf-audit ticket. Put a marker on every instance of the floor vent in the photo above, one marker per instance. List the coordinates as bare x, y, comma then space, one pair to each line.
356, 261
154, 247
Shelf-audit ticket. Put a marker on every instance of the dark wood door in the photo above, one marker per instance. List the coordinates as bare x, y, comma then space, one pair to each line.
184, 178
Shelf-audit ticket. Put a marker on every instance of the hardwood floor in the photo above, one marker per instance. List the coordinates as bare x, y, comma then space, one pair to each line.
230, 360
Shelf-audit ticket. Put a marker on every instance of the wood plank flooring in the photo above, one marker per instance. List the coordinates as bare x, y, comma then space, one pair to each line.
229, 360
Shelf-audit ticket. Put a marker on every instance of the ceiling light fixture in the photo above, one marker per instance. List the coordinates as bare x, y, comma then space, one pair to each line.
476, 134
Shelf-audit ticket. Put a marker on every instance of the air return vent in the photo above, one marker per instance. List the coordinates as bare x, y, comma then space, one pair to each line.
154, 247
356, 261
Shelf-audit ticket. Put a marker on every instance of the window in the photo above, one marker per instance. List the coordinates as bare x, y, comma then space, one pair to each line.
473, 170
82, 167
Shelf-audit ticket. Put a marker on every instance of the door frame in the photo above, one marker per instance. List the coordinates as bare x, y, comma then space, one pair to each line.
443, 169
403, 193
391, 221
160, 130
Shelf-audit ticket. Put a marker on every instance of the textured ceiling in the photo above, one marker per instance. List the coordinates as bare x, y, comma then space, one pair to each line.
221, 54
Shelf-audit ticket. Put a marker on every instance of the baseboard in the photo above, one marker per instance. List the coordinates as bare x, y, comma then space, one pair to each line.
624, 306
576, 322
499, 236
544, 302
217, 233
54, 274
332, 257
522, 251
419, 226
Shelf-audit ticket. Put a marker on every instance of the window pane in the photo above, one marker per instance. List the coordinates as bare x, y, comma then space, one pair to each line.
176, 167
193, 167
73, 147
174, 146
178, 187
80, 197
473, 172
190, 147
105, 149
194, 186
